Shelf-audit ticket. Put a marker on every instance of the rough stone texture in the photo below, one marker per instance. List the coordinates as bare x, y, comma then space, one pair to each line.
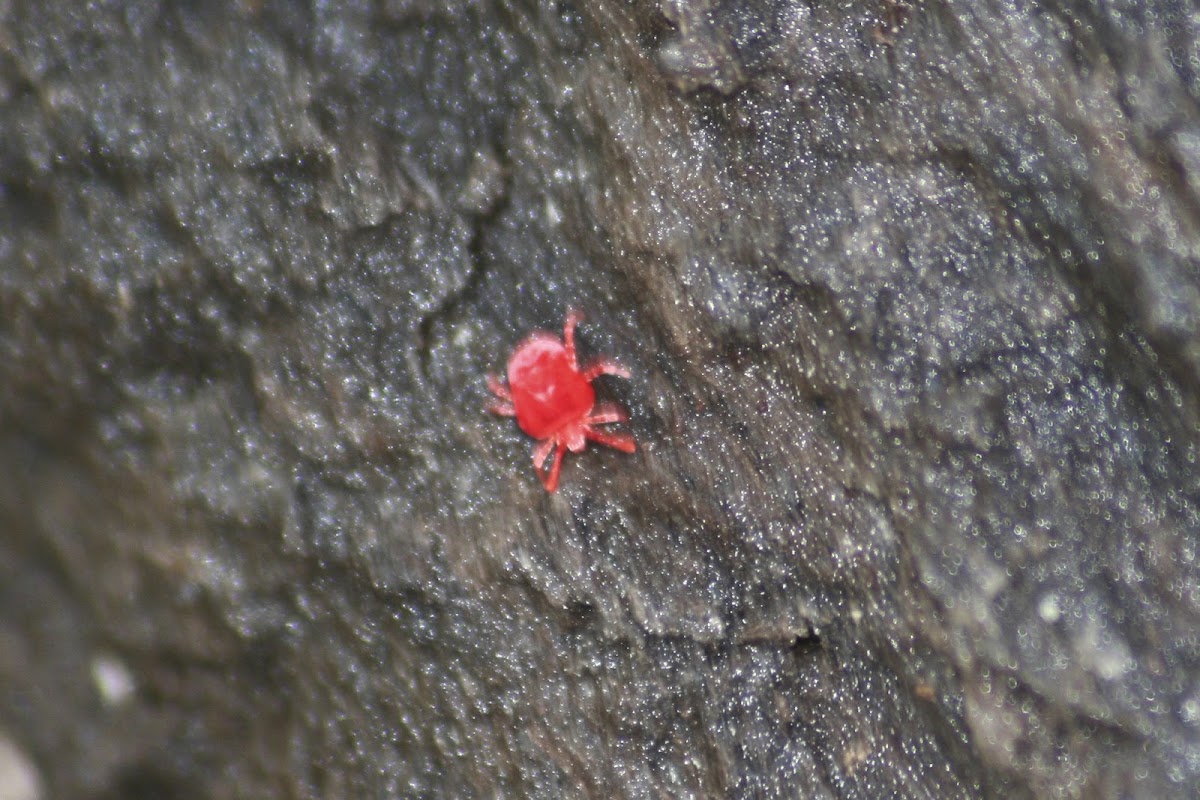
911, 297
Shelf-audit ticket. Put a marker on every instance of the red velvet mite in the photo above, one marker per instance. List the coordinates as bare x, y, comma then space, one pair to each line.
553, 399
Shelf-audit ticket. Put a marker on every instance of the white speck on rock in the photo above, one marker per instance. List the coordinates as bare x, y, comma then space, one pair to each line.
1048, 608
19, 780
114, 682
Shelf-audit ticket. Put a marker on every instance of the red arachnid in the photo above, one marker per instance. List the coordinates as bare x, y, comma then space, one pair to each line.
553, 399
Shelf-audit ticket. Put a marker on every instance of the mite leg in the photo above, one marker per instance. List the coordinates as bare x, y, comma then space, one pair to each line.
605, 413
573, 318
540, 451
617, 441
551, 481
604, 366
503, 406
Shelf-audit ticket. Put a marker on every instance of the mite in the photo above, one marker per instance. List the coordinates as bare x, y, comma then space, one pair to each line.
553, 399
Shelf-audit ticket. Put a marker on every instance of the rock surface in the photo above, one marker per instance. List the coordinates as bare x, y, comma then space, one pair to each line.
910, 294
